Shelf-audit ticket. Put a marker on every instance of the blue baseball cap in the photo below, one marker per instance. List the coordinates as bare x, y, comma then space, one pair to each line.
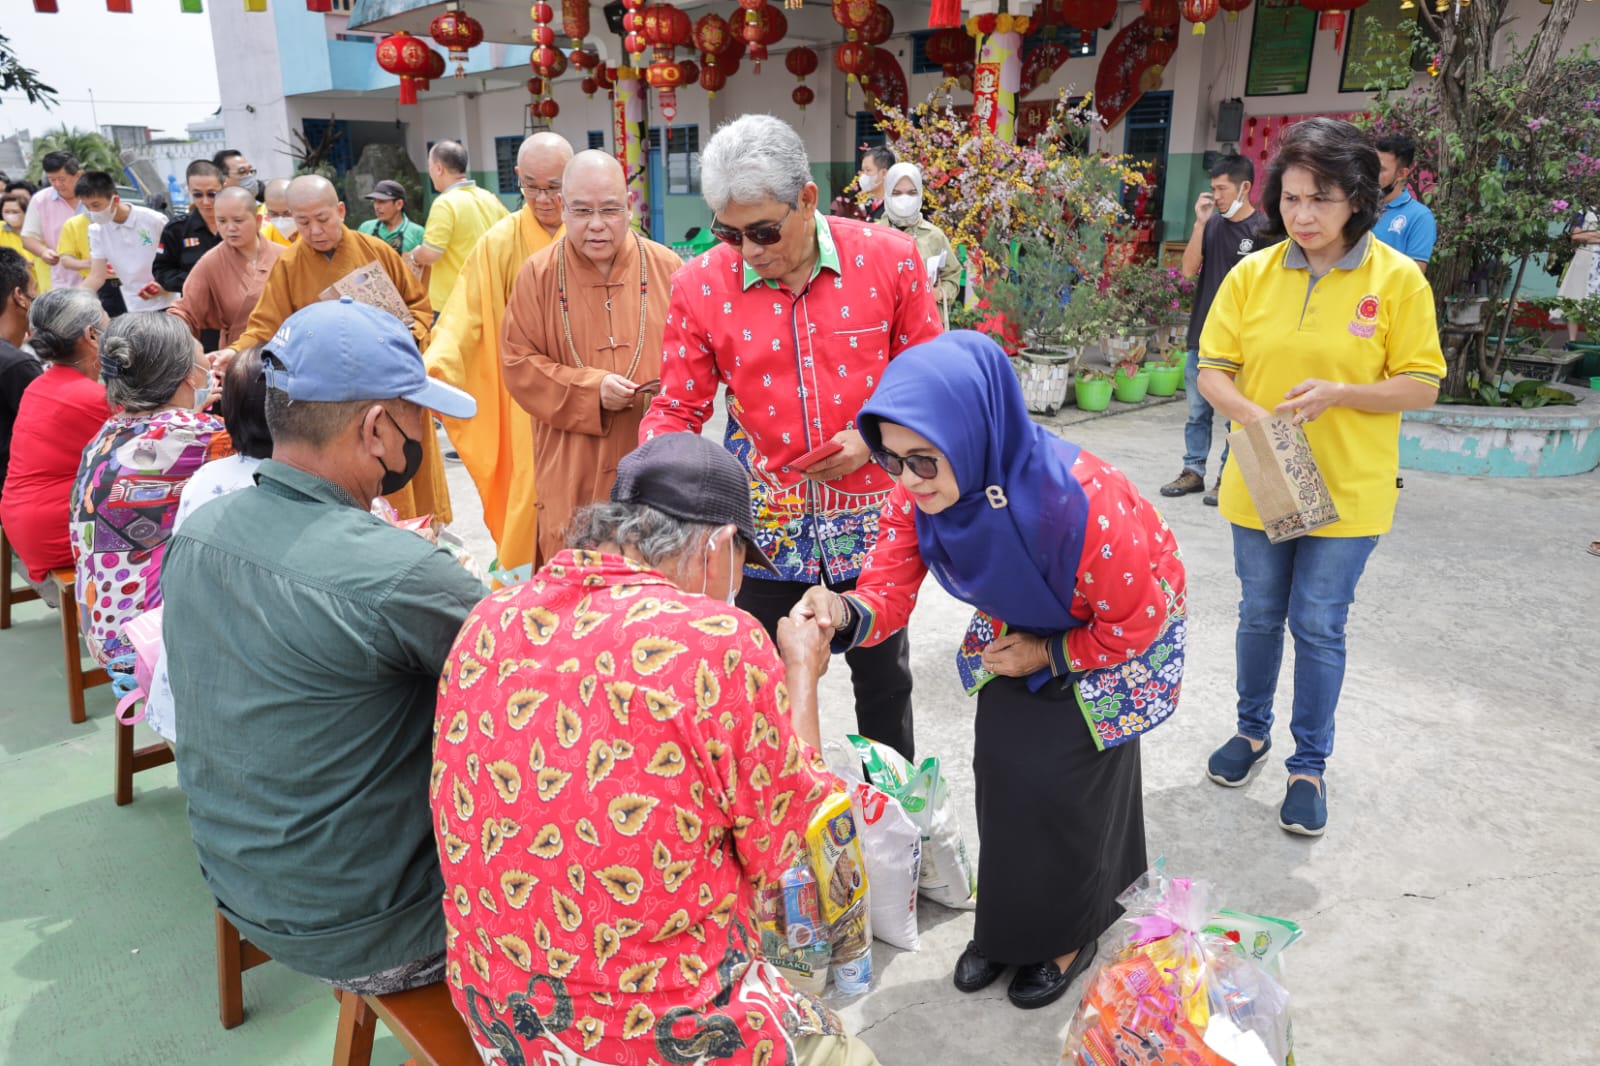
335, 351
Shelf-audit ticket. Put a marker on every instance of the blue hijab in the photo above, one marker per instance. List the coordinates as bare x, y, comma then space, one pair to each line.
1018, 559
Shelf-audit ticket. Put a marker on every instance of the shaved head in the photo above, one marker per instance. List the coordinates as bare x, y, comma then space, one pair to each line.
540, 162
233, 196
594, 193
275, 194
311, 190
318, 214
595, 166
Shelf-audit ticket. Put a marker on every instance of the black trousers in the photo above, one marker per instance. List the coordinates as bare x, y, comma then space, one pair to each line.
880, 675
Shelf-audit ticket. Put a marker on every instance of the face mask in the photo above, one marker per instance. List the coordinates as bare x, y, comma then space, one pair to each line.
869, 182
201, 397
101, 217
284, 225
1238, 202
251, 185
705, 580
904, 207
395, 480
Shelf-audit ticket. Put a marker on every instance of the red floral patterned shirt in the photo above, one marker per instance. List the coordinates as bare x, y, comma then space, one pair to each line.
615, 778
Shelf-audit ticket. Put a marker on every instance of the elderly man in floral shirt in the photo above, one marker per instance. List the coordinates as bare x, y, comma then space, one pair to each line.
797, 314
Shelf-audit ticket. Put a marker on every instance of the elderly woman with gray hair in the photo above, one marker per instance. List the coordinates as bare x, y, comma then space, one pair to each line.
132, 474
797, 314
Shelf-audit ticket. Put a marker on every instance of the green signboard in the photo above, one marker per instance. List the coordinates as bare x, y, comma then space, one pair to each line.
1280, 51
1378, 54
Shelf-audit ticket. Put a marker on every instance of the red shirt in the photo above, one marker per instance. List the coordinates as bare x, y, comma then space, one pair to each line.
615, 777
799, 367
61, 412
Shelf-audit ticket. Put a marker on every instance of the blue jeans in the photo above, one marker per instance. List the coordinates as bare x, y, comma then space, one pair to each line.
1311, 582
1197, 430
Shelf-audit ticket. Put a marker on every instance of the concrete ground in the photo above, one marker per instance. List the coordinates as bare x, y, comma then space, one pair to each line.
1443, 911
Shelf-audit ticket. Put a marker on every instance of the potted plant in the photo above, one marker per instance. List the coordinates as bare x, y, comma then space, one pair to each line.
1092, 388
1533, 359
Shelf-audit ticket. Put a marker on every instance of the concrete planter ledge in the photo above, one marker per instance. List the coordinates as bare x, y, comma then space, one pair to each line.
1504, 441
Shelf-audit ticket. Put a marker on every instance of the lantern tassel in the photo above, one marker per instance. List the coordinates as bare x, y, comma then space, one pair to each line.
1199, 29
944, 15
408, 89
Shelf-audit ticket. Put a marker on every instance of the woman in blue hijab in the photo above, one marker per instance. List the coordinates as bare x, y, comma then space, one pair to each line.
1076, 648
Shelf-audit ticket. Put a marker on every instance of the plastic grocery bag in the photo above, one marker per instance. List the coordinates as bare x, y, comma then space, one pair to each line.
945, 875
793, 936
834, 850
1176, 992
891, 844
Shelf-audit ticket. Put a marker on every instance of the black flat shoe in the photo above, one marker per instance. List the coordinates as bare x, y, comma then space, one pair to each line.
1042, 983
974, 970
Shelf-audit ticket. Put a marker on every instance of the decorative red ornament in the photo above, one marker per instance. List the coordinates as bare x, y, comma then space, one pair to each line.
664, 74
854, 60
120, 7
549, 109
951, 48
584, 59
801, 62
853, 14
763, 27
589, 87
535, 86
545, 60
543, 12
802, 96
1233, 7
664, 26
712, 80
1090, 14
634, 44
1199, 12
320, 7
406, 57
575, 19
46, 7
435, 68
879, 26
457, 32
987, 24
944, 15
543, 36
1161, 13
711, 35
1332, 15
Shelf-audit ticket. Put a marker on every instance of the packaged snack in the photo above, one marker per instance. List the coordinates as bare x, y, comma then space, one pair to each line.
945, 874
836, 860
793, 937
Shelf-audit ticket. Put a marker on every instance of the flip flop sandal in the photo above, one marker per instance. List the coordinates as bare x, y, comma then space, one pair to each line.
1594, 547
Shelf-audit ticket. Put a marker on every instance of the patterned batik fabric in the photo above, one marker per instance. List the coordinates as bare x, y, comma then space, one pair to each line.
1124, 701
124, 502
615, 778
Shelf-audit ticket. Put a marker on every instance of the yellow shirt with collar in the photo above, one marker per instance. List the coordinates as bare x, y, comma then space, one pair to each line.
74, 241
459, 217
1369, 319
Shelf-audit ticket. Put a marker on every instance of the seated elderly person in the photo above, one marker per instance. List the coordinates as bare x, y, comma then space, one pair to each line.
619, 770
60, 412
306, 784
133, 472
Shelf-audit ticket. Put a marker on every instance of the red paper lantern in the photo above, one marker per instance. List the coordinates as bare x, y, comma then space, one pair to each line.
543, 12
1199, 12
584, 59
802, 95
535, 86
543, 36
712, 79
763, 27
854, 60
549, 109
634, 44
879, 26
711, 35
853, 14
1089, 14
664, 26
457, 32
951, 48
944, 15
406, 57
575, 19
801, 62
548, 62
1233, 7
1161, 13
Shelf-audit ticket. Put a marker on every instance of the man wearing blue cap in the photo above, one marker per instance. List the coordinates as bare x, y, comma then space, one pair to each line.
305, 638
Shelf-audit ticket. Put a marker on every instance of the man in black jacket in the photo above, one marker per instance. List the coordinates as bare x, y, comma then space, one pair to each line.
186, 239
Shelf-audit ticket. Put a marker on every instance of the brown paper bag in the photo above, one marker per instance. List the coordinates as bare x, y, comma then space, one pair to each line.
371, 284
1285, 485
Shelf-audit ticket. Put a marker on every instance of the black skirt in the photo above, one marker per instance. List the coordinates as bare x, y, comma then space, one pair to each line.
1060, 824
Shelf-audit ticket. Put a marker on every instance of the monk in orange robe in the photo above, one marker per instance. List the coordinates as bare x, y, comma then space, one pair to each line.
582, 342
325, 252
222, 289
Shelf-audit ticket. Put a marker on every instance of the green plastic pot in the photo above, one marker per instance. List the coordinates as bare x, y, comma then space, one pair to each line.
1093, 394
1164, 380
1132, 389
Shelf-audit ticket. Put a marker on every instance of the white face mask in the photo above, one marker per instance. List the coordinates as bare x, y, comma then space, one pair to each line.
905, 207
201, 395
101, 217
284, 225
1238, 202
869, 182
711, 543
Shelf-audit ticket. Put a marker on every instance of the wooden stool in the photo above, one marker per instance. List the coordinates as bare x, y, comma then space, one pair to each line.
79, 680
235, 955
424, 1020
8, 593
131, 760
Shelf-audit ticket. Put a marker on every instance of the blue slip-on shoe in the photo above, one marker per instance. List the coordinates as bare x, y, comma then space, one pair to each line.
1232, 764
1305, 808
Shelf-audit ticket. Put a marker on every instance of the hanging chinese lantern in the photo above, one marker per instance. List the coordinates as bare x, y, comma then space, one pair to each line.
606, 77
1233, 7
583, 59
802, 96
711, 36
406, 57
548, 62
950, 49
1199, 12
549, 109
575, 20
1162, 13
435, 69
853, 14
944, 15
764, 26
879, 26
633, 24
854, 60
457, 33
1332, 15
535, 86
665, 77
712, 79
801, 62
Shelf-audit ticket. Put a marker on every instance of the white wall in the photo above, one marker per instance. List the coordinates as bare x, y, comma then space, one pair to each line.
250, 83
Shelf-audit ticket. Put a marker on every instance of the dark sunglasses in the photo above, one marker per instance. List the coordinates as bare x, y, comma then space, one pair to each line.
764, 234
925, 467
202, 196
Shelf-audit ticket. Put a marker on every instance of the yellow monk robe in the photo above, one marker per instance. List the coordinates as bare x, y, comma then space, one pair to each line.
298, 279
496, 445
576, 443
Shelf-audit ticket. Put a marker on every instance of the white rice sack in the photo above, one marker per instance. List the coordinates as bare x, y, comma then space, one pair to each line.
946, 873
891, 845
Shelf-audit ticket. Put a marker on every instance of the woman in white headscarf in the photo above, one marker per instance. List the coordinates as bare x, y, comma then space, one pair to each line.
902, 208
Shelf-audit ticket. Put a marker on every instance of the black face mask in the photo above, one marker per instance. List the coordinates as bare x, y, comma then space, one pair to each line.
395, 480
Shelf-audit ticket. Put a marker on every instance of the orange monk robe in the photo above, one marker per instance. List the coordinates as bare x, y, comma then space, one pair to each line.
577, 444
222, 289
496, 444
297, 280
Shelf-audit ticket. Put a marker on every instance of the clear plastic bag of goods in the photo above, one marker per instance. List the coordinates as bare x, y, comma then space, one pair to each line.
945, 874
834, 850
793, 935
892, 847
1183, 986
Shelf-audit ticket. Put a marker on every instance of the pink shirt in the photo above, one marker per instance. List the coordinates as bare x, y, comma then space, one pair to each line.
47, 213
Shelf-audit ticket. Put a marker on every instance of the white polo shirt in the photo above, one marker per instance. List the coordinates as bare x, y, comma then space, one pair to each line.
130, 247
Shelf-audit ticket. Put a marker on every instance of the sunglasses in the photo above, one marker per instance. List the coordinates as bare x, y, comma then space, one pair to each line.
763, 233
925, 467
202, 195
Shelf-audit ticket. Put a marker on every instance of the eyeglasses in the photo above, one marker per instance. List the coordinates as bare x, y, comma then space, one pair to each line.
925, 467
202, 195
1317, 205
762, 233
542, 192
607, 214
245, 172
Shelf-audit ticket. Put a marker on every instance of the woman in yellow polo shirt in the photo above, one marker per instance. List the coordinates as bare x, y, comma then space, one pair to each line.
1337, 331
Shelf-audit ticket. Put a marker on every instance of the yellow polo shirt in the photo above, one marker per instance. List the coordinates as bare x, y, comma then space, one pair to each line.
458, 218
1367, 320
74, 241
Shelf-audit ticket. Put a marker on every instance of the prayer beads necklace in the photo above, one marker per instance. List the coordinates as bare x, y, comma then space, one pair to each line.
566, 321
